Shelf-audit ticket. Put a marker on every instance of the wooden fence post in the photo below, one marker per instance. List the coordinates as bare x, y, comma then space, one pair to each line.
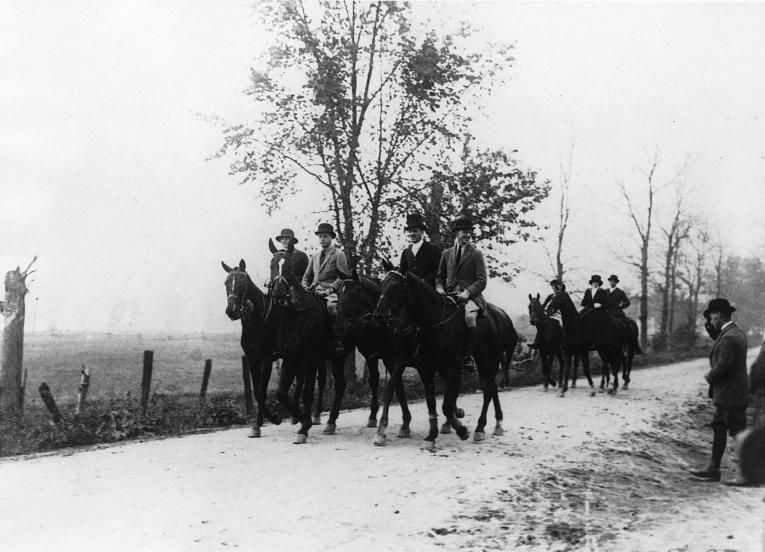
83, 389
50, 404
12, 312
205, 380
148, 366
248, 404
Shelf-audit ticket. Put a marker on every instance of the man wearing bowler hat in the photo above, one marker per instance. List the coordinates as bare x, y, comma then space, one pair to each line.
299, 259
728, 384
323, 272
421, 258
462, 269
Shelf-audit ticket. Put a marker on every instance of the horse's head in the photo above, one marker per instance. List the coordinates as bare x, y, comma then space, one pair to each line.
239, 288
560, 300
356, 301
282, 272
393, 296
536, 312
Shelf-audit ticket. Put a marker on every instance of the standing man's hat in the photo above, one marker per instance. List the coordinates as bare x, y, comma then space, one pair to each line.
596, 278
287, 233
463, 222
613, 278
415, 220
719, 305
554, 282
325, 228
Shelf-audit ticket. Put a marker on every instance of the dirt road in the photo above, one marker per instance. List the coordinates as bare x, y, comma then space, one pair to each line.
577, 473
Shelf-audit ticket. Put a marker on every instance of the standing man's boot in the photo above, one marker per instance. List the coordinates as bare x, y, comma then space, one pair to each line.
468, 363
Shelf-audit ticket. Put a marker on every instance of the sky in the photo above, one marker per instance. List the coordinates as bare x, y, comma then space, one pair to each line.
107, 126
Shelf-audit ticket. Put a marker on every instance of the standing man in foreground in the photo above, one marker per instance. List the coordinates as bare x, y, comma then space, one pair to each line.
421, 258
727, 378
463, 270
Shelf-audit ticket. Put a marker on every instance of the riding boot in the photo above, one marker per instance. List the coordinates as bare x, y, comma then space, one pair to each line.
468, 363
338, 349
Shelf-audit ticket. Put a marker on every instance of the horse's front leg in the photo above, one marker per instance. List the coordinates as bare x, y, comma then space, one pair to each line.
451, 392
395, 384
427, 375
321, 378
374, 385
286, 377
338, 374
563, 386
309, 368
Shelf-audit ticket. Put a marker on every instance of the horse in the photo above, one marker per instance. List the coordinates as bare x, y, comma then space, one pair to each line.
259, 318
580, 330
549, 338
357, 299
438, 324
305, 341
630, 349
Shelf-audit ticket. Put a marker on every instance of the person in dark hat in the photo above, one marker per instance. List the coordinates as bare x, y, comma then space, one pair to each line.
595, 297
728, 383
299, 259
323, 272
617, 302
462, 269
421, 257
556, 286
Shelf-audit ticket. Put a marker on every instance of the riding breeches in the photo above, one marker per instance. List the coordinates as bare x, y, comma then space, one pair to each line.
471, 314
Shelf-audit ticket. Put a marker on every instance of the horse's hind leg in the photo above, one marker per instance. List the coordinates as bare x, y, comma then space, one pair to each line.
374, 385
286, 377
338, 374
427, 377
321, 376
394, 384
406, 415
498, 429
310, 368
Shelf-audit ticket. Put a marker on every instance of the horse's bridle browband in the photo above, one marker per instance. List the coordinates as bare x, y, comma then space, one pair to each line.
266, 308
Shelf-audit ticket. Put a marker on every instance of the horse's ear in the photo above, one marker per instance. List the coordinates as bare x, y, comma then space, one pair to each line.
242, 265
538, 297
563, 287
271, 246
530, 297
225, 267
355, 274
387, 265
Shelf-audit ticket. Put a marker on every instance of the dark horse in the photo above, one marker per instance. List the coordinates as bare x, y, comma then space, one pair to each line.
410, 306
357, 299
630, 349
581, 330
550, 339
259, 319
305, 341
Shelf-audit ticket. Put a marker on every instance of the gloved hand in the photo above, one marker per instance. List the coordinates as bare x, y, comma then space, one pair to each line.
464, 296
597, 305
440, 290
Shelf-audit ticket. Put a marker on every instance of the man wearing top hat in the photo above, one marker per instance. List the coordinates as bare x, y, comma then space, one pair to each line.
728, 385
299, 259
421, 258
595, 297
462, 269
617, 302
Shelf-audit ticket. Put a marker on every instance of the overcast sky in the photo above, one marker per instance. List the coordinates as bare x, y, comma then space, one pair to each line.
103, 156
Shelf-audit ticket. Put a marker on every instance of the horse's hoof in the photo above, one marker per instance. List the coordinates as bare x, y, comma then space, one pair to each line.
330, 429
300, 438
372, 422
561, 393
254, 432
462, 432
573, 384
601, 390
460, 413
276, 420
546, 386
612, 391
380, 440
626, 386
404, 433
592, 393
316, 420
499, 431
294, 420
479, 436
429, 446
446, 428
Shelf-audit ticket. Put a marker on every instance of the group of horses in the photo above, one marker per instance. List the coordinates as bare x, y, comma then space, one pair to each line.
571, 340
400, 320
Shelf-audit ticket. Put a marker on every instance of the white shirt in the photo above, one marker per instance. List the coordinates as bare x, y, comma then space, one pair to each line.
416, 247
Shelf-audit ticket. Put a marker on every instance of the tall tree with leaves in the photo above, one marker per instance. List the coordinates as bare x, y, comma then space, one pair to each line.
357, 98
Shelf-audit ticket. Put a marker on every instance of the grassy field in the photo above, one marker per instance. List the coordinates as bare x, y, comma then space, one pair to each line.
116, 363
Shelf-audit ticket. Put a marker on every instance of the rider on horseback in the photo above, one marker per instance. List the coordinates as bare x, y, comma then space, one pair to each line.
299, 259
617, 301
595, 298
421, 257
462, 270
556, 286
322, 275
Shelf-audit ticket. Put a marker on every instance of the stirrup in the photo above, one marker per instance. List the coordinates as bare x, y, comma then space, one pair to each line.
468, 363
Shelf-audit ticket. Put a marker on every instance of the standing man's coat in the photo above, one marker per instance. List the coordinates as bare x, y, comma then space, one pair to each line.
727, 375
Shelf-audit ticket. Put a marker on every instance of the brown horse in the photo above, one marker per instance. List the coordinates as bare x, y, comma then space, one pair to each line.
305, 341
259, 318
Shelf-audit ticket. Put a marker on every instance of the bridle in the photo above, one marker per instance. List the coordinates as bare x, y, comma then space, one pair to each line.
241, 304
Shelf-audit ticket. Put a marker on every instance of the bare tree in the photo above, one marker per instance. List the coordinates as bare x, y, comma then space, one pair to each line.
694, 270
564, 212
674, 234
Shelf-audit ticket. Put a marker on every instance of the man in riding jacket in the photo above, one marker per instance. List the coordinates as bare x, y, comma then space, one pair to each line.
728, 383
556, 287
462, 269
323, 272
299, 259
617, 302
421, 258
595, 297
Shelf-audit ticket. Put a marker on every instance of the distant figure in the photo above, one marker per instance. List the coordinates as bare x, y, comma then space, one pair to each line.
727, 379
299, 259
617, 302
421, 257
595, 297
556, 286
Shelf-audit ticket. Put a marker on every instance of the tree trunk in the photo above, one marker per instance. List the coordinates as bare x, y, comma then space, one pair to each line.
644, 296
12, 356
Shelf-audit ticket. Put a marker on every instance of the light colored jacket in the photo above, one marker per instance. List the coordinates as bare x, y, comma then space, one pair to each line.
469, 275
325, 274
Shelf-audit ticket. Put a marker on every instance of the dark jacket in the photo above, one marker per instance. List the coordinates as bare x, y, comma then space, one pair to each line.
469, 275
617, 300
299, 263
423, 265
601, 296
727, 374
757, 373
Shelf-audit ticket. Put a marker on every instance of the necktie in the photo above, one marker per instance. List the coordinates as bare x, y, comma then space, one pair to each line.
459, 254
322, 256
